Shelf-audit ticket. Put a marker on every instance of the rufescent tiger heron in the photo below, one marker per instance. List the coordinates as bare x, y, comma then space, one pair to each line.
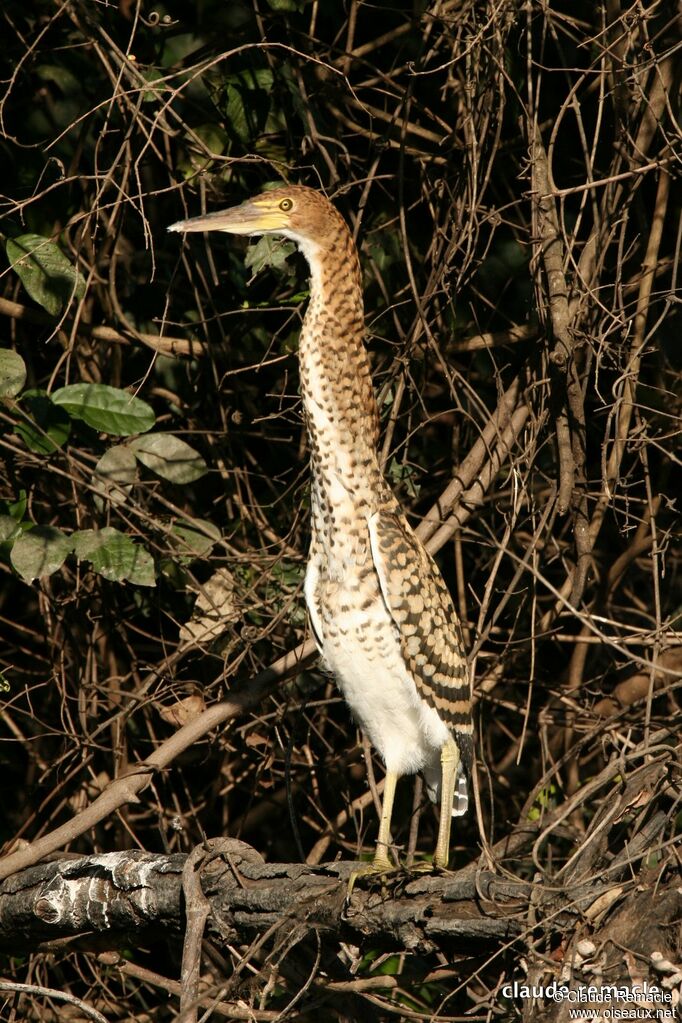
382, 617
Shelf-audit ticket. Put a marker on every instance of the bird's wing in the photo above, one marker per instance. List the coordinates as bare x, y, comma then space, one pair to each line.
431, 641
312, 578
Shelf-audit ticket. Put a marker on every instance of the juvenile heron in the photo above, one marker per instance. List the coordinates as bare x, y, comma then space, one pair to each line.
382, 617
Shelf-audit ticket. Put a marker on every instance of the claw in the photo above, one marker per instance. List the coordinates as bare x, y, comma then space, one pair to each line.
379, 865
422, 867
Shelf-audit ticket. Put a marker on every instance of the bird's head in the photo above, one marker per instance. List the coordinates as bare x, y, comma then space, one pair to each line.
297, 212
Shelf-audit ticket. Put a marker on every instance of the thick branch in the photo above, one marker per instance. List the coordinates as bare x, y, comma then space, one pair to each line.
130, 892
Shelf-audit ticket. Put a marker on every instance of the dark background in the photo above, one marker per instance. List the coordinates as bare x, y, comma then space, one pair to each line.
421, 122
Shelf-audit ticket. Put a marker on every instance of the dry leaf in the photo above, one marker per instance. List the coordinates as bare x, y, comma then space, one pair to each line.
183, 711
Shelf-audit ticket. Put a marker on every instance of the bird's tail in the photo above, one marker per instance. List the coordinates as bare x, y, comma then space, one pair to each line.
460, 803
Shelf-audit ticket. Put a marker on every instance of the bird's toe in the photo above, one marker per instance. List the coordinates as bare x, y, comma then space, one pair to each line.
380, 866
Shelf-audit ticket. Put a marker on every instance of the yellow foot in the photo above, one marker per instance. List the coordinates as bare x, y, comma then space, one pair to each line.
422, 867
427, 867
380, 865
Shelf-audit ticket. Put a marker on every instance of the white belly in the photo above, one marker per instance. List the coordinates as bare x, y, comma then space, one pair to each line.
361, 648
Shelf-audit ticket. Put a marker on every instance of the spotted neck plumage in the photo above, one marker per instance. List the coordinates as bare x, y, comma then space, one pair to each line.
340, 408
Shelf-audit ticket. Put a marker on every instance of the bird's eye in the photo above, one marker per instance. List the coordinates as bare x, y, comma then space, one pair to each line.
286, 205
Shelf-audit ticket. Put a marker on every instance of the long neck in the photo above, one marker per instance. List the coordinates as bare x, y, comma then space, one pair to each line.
341, 411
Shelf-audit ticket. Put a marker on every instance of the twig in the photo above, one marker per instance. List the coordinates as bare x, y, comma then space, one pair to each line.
570, 413
59, 996
157, 342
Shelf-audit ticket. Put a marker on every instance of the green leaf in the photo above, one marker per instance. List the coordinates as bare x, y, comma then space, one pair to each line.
115, 474
399, 472
45, 272
288, 573
61, 76
285, 5
108, 409
192, 541
169, 457
257, 78
9, 528
12, 373
269, 251
39, 552
47, 426
192, 159
114, 556
247, 100
545, 800
17, 509
151, 75
236, 114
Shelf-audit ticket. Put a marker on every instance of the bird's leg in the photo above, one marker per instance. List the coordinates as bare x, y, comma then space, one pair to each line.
381, 862
449, 763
